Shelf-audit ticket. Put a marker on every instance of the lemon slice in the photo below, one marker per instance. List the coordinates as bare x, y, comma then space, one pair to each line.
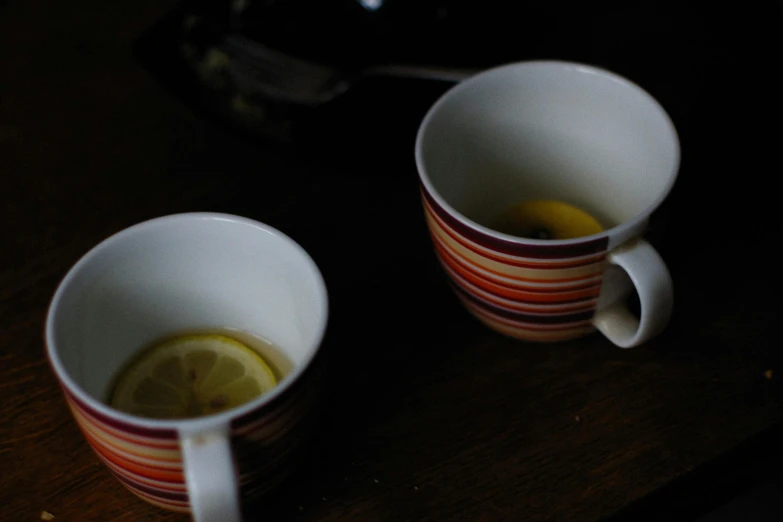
192, 376
546, 219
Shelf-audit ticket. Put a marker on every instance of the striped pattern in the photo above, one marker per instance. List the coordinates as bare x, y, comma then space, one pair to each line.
148, 462
534, 292
268, 442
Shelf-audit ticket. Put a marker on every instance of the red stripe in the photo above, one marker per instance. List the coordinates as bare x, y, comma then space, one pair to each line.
557, 308
155, 493
527, 318
532, 328
154, 433
546, 264
167, 486
158, 474
136, 441
520, 332
132, 456
520, 293
518, 247
562, 284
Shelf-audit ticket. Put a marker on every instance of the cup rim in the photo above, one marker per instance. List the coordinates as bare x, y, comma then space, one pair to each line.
199, 423
621, 229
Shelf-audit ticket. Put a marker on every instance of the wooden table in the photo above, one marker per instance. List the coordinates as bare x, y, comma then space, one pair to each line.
429, 416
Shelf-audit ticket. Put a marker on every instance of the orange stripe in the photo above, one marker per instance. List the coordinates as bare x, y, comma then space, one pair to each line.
171, 505
522, 307
509, 260
442, 245
531, 297
501, 279
106, 440
166, 486
146, 471
543, 273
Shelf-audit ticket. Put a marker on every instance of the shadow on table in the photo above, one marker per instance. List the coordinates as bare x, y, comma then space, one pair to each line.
745, 484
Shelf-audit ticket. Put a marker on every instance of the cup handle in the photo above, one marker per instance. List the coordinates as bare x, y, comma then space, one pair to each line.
210, 476
653, 283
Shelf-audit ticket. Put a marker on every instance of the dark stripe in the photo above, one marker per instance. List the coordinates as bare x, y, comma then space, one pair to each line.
156, 433
583, 283
283, 400
263, 462
518, 247
153, 492
541, 265
584, 315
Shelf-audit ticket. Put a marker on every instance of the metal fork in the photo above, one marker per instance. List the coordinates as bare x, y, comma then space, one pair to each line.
254, 69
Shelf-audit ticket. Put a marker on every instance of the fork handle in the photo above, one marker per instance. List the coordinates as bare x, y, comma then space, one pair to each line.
421, 72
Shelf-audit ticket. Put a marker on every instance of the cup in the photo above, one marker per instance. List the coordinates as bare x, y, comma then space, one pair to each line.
174, 273
561, 131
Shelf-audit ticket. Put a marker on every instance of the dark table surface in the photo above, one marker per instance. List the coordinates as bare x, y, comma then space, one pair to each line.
428, 414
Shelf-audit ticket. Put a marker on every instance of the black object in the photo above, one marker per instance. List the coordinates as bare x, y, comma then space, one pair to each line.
189, 48
667, 47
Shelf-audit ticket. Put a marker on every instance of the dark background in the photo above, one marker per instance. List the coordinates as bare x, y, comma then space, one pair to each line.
101, 127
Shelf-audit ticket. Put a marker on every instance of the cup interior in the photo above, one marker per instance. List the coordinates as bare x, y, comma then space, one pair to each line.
548, 130
178, 273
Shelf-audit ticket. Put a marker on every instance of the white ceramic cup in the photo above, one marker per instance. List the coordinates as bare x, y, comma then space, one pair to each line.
560, 131
178, 273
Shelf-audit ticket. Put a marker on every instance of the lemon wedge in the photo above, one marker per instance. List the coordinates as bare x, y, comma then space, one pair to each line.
546, 219
191, 376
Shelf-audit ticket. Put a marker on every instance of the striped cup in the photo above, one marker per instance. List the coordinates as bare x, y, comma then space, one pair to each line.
177, 273
557, 131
